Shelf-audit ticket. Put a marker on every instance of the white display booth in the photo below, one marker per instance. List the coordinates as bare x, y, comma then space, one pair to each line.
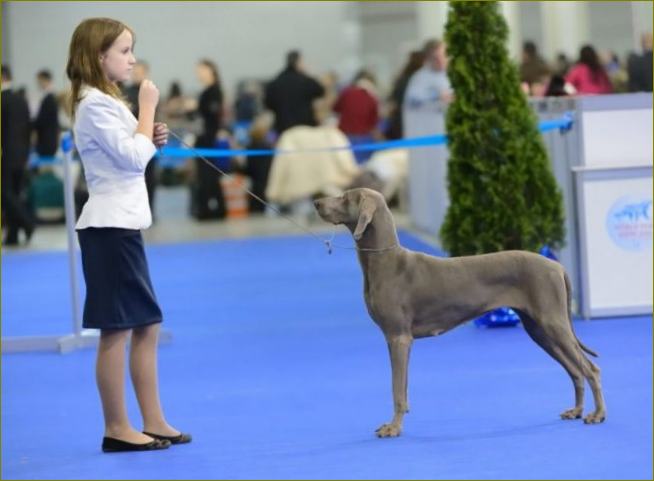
614, 202
603, 166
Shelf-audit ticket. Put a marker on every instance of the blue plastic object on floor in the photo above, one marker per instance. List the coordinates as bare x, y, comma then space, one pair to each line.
505, 316
547, 252
502, 317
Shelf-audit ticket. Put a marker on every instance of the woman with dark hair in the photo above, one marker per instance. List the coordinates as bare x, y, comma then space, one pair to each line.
209, 201
395, 129
175, 108
588, 75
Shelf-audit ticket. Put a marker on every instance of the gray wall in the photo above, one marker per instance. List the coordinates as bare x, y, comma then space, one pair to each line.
609, 21
531, 24
642, 20
246, 39
5, 34
249, 39
388, 34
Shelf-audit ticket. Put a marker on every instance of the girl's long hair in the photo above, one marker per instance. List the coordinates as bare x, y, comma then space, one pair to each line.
90, 39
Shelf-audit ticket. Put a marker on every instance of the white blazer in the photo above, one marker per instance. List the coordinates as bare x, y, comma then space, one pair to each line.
114, 159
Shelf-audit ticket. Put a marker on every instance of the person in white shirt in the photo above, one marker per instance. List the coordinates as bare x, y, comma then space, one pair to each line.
115, 148
430, 85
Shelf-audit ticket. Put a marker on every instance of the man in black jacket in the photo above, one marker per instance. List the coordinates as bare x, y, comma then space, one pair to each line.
141, 72
290, 96
46, 123
640, 67
15, 152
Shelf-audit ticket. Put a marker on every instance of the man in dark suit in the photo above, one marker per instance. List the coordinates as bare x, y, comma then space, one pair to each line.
291, 94
15, 152
46, 123
640, 67
141, 72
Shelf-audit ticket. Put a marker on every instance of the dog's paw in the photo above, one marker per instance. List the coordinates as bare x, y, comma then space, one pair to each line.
388, 431
595, 418
574, 413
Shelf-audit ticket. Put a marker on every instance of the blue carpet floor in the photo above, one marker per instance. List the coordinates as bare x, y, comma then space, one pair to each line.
277, 371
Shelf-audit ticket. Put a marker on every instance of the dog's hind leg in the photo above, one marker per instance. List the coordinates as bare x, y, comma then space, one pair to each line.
565, 342
589, 369
560, 354
399, 348
571, 349
592, 373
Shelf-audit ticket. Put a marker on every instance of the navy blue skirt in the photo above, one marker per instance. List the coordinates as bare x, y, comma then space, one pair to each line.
119, 293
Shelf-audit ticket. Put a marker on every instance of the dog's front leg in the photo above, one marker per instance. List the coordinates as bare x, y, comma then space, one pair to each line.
399, 348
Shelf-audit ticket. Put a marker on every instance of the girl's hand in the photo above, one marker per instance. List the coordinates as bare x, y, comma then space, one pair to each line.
148, 95
160, 137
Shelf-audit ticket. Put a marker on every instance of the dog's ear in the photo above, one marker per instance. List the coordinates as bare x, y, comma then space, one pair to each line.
366, 211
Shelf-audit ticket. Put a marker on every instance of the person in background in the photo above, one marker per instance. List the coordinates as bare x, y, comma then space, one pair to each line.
208, 199
291, 95
246, 105
615, 70
533, 68
176, 108
561, 65
15, 152
556, 87
588, 75
640, 67
140, 72
323, 107
258, 168
46, 123
358, 107
395, 124
430, 85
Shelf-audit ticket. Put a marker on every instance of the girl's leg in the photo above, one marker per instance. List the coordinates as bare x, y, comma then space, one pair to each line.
143, 369
110, 376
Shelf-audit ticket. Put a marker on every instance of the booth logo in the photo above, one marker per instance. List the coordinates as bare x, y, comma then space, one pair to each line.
629, 223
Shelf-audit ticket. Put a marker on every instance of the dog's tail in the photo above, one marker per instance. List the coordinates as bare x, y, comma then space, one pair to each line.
568, 290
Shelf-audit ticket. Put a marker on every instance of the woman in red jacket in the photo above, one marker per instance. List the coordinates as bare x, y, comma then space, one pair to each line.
588, 75
359, 112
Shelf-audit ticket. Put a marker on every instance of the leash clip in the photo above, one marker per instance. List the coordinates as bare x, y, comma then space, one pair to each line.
328, 245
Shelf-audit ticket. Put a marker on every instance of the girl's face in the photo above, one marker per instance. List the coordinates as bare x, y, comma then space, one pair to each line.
118, 61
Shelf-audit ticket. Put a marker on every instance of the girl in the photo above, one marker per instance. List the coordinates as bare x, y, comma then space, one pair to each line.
115, 148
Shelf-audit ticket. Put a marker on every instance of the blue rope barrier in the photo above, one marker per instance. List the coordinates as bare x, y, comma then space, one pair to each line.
564, 124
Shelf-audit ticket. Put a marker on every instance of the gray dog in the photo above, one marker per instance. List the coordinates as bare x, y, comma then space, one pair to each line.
411, 295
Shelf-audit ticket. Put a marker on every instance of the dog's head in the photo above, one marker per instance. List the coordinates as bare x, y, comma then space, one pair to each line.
355, 208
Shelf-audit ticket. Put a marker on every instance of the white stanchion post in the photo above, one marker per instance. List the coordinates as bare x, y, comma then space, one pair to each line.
69, 204
78, 338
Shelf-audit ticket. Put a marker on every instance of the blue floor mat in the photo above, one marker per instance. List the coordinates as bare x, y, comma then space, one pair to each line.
278, 372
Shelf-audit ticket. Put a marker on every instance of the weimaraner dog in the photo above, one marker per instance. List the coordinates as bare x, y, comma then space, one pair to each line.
411, 295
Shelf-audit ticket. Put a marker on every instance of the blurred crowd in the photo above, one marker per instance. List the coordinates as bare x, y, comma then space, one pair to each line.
592, 73
294, 108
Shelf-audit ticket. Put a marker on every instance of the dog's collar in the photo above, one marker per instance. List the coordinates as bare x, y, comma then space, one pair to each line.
372, 250
329, 243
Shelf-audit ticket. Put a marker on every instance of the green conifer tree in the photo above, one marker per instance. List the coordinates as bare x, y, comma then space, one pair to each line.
502, 190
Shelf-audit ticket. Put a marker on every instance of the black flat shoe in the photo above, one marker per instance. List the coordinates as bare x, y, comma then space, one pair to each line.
181, 438
113, 445
29, 231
